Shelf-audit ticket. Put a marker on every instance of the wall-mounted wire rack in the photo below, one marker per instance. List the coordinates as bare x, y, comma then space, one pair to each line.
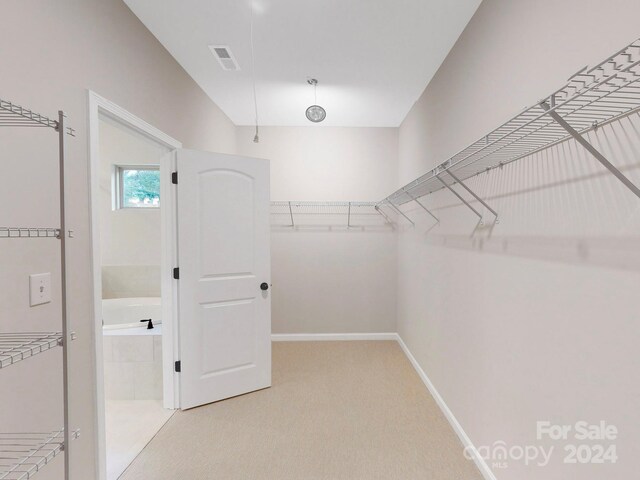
15, 347
12, 115
29, 232
289, 213
590, 98
23, 454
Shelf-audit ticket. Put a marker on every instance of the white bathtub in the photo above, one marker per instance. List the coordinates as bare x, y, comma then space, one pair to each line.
121, 316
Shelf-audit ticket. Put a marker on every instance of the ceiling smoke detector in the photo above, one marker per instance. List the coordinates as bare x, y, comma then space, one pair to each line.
315, 113
225, 58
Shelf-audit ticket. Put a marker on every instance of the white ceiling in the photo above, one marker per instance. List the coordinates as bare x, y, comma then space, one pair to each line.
372, 58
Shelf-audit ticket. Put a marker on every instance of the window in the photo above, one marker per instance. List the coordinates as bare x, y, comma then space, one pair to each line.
137, 186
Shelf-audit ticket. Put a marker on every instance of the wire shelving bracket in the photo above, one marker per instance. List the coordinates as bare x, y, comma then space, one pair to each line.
421, 205
591, 98
399, 212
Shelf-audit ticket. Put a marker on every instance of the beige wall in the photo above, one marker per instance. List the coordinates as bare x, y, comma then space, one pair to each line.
327, 279
52, 51
129, 238
540, 321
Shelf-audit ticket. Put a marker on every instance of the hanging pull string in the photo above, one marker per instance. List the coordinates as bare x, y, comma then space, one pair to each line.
314, 83
256, 138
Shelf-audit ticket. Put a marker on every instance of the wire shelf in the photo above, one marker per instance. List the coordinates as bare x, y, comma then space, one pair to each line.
323, 208
29, 232
289, 211
22, 455
15, 347
592, 97
12, 115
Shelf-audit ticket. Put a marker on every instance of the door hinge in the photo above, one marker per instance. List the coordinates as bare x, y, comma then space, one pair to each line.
174, 178
176, 273
177, 366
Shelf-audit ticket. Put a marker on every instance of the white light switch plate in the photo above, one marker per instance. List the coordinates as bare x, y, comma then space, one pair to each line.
39, 289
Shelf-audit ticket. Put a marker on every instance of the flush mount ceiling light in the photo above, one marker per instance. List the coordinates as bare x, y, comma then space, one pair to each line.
315, 113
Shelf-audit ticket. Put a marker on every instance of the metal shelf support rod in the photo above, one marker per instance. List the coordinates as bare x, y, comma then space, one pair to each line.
591, 149
462, 184
291, 215
63, 284
377, 208
422, 206
401, 213
460, 198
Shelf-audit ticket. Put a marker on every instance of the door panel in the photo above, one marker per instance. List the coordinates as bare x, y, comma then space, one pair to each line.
223, 255
227, 196
221, 319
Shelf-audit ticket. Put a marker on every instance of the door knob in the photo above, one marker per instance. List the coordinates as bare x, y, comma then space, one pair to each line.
264, 286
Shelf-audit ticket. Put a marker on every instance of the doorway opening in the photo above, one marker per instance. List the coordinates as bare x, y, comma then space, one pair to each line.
133, 242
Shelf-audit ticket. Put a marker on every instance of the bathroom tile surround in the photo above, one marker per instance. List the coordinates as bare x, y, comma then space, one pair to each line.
133, 367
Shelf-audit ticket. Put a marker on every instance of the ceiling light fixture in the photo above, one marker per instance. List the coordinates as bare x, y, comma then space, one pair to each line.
315, 113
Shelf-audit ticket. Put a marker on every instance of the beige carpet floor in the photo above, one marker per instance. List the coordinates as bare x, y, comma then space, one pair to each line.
336, 410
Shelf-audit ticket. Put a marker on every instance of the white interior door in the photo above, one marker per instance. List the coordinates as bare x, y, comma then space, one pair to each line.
224, 305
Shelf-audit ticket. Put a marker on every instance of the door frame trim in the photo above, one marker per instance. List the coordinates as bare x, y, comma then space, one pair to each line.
98, 105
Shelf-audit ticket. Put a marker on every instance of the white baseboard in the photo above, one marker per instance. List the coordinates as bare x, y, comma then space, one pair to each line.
323, 337
464, 438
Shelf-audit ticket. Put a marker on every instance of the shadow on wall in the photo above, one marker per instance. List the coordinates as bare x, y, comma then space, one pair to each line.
559, 205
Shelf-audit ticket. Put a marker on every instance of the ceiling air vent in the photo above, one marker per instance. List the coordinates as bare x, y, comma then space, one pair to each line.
225, 58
